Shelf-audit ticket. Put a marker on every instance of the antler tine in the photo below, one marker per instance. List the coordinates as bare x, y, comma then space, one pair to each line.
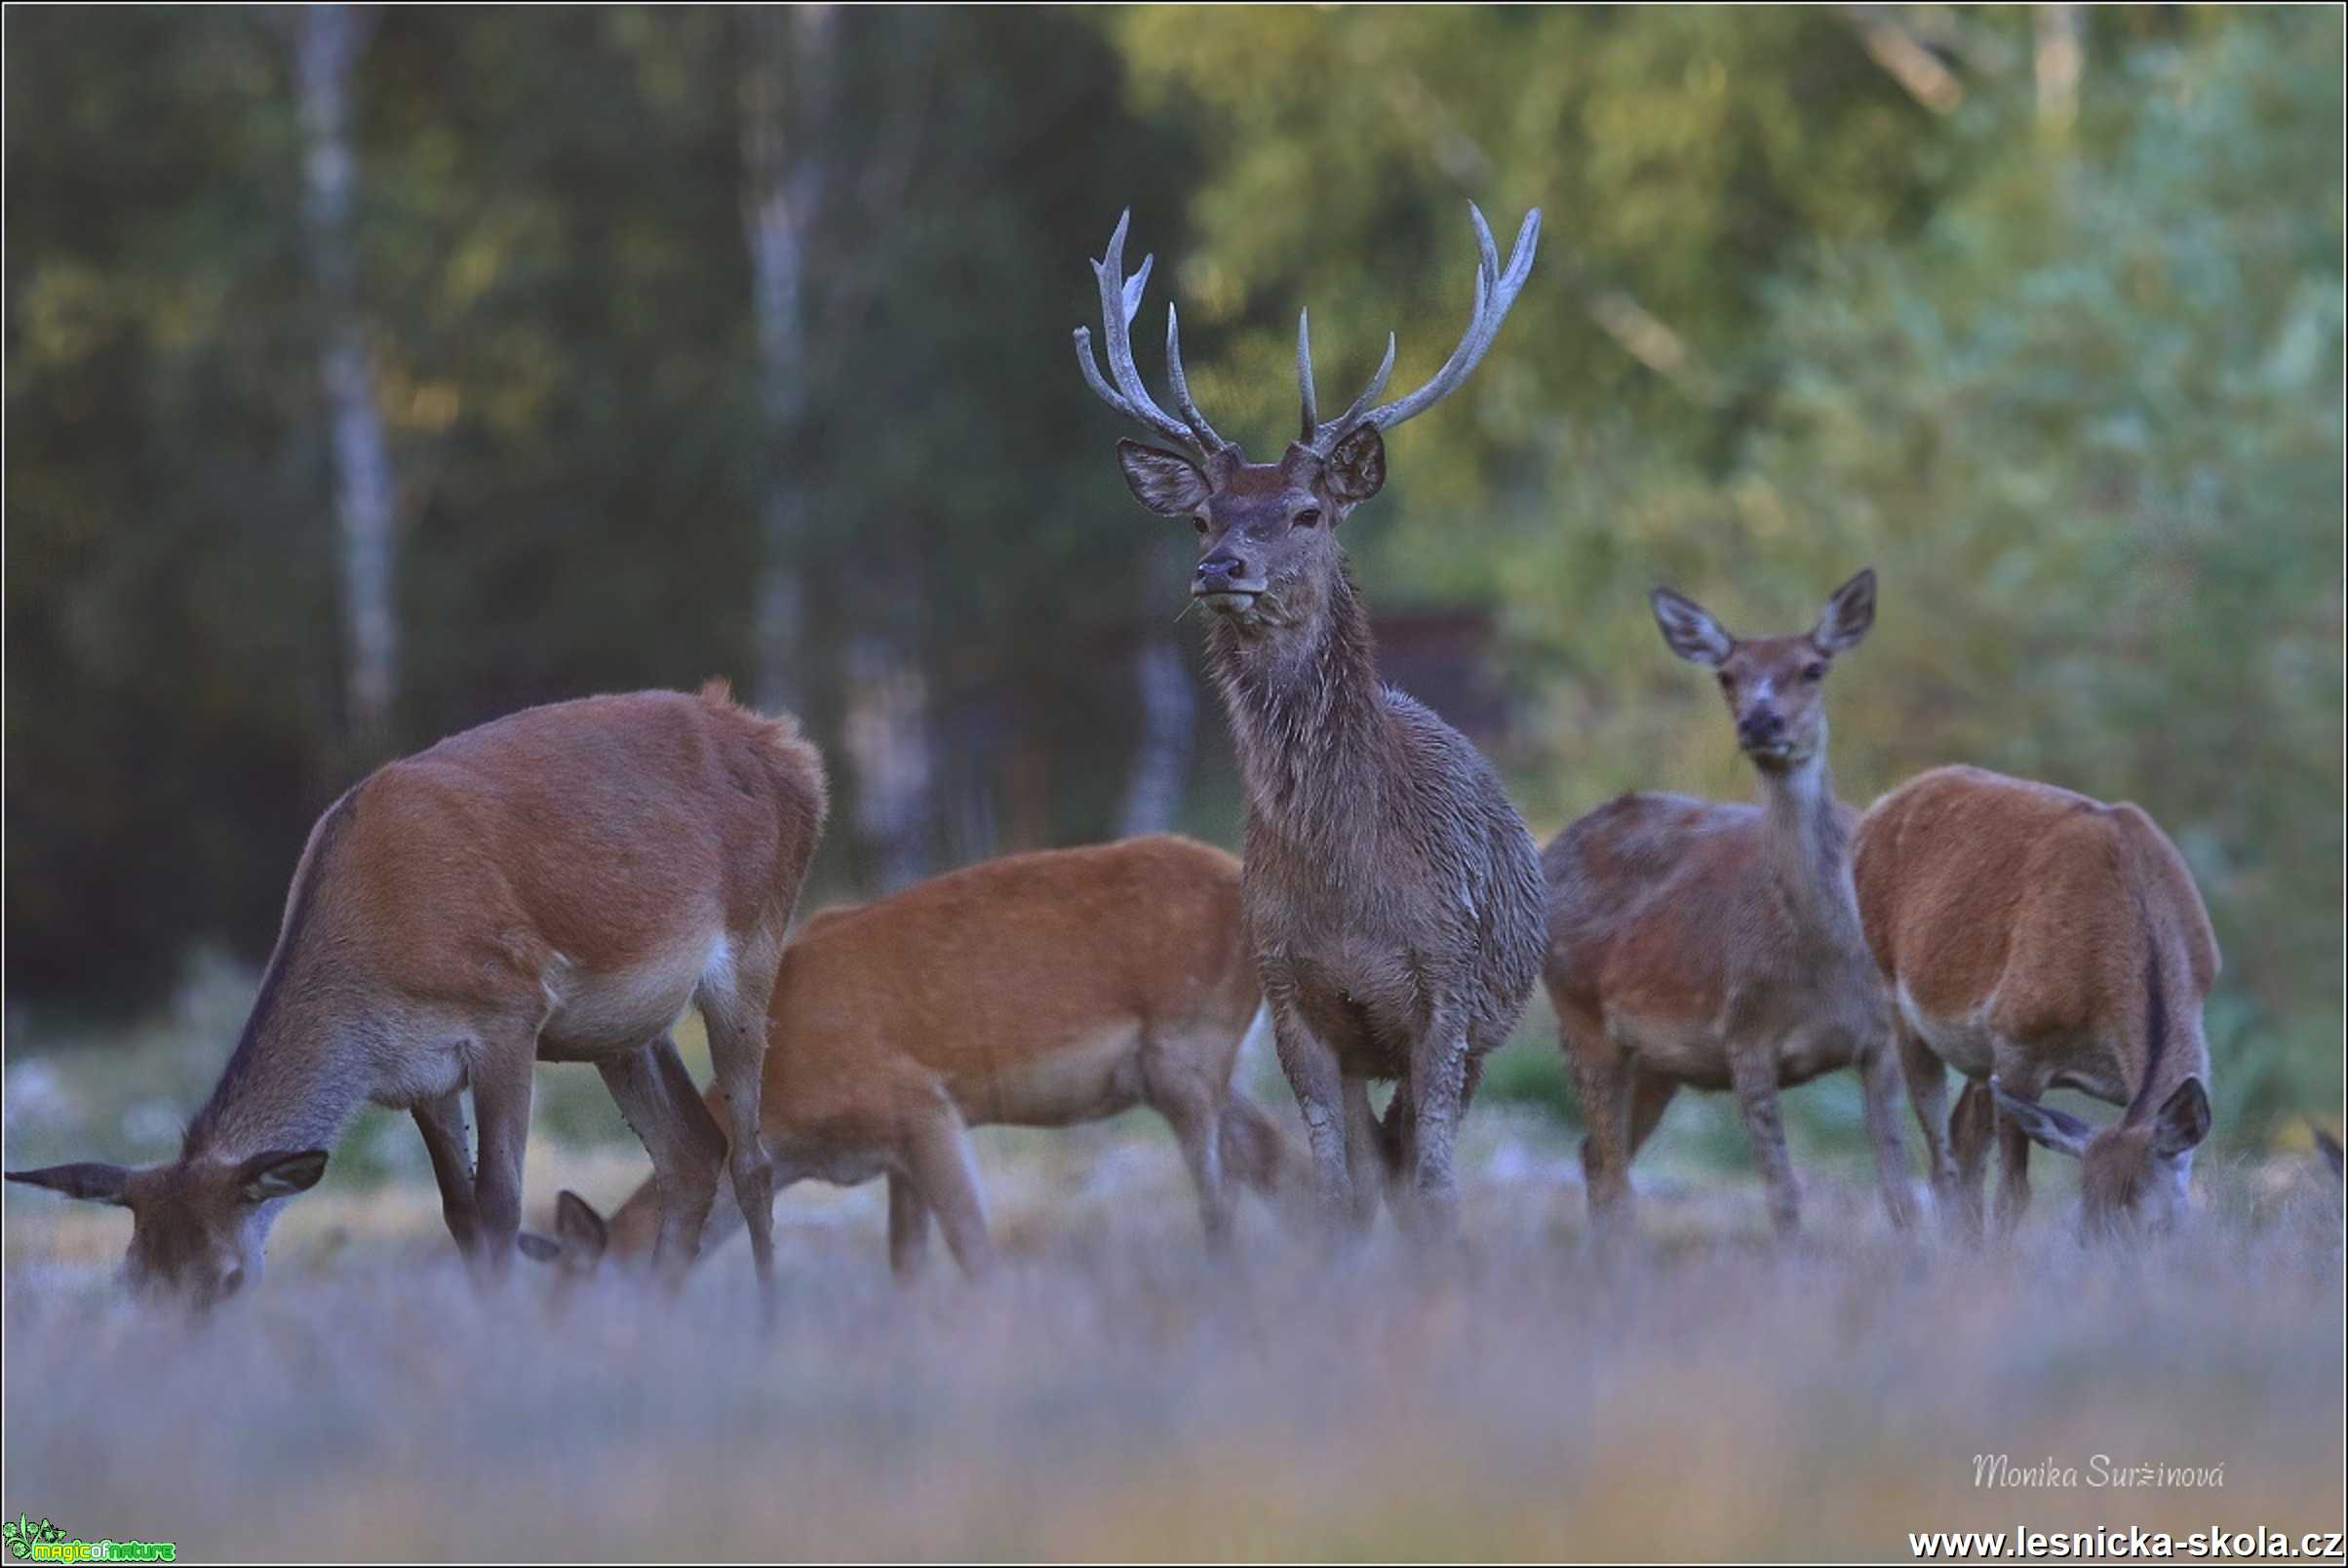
1204, 432
1304, 375
1352, 417
1495, 292
1120, 302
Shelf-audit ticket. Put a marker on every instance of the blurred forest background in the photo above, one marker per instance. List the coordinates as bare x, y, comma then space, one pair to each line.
372, 373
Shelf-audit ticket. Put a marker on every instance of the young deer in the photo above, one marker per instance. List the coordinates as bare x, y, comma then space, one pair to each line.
1039, 991
1392, 894
1695, 942
556, 886
2037, 939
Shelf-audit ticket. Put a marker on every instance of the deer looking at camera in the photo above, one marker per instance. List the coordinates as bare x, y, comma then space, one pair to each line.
1392, 894
1714, 945
2037, 939
1040, 989
556, 886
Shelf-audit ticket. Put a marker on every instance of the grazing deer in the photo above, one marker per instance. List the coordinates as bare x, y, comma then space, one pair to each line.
1038, 990
556, 886
1393, 896
1698, 942
2037, 939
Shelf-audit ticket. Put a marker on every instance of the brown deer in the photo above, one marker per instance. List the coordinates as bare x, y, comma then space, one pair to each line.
1038, 990
1392, 894
2037, 939
554, 886
1715, 945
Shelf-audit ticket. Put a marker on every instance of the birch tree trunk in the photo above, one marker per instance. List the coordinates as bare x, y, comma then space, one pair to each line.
2056, 62
1169, 707
793, 166
785, 73
328, 41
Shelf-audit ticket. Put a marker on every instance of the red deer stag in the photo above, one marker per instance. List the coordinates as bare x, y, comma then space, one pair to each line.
1697, 941
2037, 939
1392, 894
556, 886
1040, 991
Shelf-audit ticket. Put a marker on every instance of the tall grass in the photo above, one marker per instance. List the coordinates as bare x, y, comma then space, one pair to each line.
1117, 1392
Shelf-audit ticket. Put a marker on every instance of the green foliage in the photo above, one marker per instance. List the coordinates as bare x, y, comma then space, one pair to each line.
2073, 388
2087, 425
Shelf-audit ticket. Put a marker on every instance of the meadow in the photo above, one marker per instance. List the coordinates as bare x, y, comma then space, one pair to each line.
1116, 1391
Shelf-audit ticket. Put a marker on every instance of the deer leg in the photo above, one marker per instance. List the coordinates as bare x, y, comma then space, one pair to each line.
1252, 1146
1927, 1091
1369, 1164
941, 1171
501, 1097
1753, 1071
1879, 1087
1602, 1079
1312, 1074
1437, 1084
908, 1230
657, 1099
1190, 1101
2014, 1173
442, 1121
734, 1007
1651, 1094
1971, 1128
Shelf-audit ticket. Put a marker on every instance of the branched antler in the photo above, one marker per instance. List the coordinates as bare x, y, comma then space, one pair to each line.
1495, 291
1120, 303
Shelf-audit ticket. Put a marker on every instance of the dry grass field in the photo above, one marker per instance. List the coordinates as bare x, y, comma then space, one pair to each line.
1116, 1392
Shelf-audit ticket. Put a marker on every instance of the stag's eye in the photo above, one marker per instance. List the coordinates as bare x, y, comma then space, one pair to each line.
1728, 682
1814, 673
1201, 524
1310, 516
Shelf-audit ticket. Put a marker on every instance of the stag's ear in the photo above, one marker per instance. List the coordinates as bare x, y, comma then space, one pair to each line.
97, 1184
1168, 484
2045, 1125
1690, 633
585, 1236
2182, 1120
1846, 616
280, 1173
1357, 470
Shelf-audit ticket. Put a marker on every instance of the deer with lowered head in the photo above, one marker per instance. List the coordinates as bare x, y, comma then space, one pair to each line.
1042, 990
1391, 892
554, 886
1700, 943
2039, 939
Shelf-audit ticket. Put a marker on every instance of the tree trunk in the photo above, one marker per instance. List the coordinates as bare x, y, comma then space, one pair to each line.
2055, 62
1162, 761
887, 743
784, 72
328, 42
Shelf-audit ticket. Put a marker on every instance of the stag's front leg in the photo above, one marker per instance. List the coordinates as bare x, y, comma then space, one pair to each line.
1320, 1087
1368, 1164
1437, 1087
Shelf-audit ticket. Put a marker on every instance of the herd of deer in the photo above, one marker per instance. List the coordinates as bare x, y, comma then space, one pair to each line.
559, 885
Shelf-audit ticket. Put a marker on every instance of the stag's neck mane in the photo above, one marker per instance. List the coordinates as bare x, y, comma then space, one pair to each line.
1808, 849
1308, 716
